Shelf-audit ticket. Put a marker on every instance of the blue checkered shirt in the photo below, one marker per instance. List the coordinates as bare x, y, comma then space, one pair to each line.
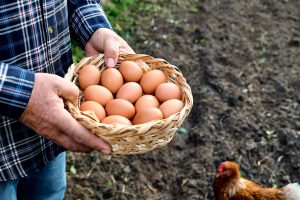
35, 37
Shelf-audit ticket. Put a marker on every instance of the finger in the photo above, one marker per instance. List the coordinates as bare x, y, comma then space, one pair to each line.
111, 52
91, 52
125, 48
61, 139
79, 134
67, 90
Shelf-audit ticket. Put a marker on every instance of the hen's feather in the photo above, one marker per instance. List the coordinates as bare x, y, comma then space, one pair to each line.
292, 191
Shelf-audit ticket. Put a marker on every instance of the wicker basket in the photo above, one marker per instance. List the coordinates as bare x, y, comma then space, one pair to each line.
134, 139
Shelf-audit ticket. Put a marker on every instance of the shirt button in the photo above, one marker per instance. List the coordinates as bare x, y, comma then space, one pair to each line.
50, 30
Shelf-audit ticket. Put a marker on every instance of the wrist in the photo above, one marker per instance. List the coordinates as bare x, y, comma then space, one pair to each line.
15, 90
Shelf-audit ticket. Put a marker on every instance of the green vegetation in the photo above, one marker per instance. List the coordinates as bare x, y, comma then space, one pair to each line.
121, 19
77, 52
123, 14
182, 131
119, 15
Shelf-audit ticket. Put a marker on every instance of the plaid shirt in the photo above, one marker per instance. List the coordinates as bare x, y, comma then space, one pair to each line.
35, 37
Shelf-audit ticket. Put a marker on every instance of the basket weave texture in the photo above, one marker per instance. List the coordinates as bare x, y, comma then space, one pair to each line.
134, 139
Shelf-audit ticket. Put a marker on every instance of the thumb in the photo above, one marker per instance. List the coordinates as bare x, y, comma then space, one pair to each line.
67, 90
111, 52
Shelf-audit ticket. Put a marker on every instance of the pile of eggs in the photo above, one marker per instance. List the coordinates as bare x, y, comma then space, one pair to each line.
127, 95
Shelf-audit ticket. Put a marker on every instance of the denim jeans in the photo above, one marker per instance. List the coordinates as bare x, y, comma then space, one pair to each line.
47, 184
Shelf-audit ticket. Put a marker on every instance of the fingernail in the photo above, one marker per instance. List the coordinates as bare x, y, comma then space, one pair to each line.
106, 151
110, 62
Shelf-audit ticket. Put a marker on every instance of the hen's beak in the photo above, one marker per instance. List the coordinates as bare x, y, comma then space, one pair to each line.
217, 175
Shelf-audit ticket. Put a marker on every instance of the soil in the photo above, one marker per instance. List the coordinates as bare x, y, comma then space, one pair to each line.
241, 59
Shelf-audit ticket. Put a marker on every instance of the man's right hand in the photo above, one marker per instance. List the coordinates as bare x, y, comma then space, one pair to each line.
45, 114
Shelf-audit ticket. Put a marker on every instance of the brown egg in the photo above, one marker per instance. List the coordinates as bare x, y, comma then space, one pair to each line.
120, 107
147, 115
171, 107
97, 93
146, 101
116, 119
88, 75
131, 71
130, 91
150, 80
93, 106
112, 79
167, 91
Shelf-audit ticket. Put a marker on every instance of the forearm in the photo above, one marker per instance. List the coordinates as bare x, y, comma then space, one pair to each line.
85, 17
15, 89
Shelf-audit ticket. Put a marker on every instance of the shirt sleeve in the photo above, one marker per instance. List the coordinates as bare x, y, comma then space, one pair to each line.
16, 85
85, 17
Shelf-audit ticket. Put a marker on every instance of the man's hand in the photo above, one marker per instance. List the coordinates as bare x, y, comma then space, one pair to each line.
46, 115
107, 41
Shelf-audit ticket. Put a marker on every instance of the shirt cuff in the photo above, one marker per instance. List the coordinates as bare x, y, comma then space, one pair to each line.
16, 85
86, 19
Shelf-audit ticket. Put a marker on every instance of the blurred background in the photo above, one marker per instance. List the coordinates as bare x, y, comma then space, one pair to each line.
241, 59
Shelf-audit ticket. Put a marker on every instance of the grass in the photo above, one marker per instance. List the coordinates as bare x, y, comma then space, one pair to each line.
77, 52
122, 16
121, 19
127, 16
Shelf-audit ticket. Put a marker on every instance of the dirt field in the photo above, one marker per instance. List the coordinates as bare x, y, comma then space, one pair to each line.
242, 60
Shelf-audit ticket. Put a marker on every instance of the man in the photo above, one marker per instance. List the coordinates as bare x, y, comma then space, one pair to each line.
35, 53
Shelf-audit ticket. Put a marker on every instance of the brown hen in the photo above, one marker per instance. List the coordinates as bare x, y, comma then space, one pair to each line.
228, 185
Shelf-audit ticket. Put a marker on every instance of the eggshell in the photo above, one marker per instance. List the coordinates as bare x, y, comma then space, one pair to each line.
146, 101
116, 119
167, 91
150, 80
112, 79
130, 91
131, 71
120, 107
97, 93
147, 115
88, 75
93, 106
171, 107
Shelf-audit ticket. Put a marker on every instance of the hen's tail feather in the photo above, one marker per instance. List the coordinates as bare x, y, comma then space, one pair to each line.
292, 191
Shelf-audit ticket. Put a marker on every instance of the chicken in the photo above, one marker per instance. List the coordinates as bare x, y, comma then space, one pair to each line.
228, 185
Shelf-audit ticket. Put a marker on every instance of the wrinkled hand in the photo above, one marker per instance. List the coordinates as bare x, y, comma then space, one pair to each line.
107, 41
45, 114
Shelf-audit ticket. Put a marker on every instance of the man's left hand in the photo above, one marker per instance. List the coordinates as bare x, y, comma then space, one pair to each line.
108, 42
